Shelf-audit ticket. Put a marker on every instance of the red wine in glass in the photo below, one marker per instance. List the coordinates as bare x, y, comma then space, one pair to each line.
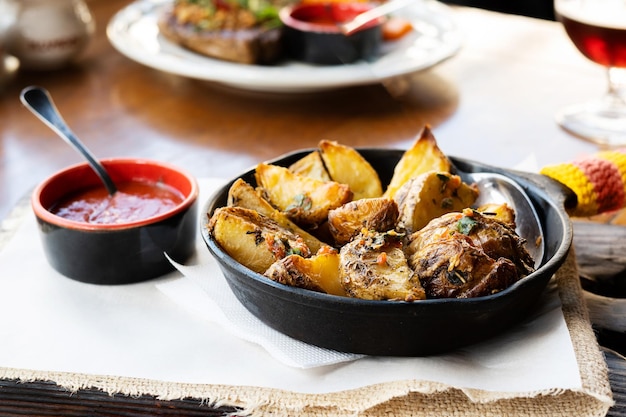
598, 29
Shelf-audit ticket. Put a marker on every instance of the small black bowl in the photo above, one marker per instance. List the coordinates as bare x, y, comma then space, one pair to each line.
312, 34
119, 253
396, 328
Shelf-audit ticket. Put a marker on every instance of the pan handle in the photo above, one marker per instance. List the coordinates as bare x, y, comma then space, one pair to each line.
557, 191
553, 190
599, 181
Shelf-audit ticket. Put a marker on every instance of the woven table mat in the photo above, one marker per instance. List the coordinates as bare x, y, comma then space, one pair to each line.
398, 398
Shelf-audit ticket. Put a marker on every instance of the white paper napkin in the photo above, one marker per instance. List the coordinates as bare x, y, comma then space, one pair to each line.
218, 303
537, 354
206, 293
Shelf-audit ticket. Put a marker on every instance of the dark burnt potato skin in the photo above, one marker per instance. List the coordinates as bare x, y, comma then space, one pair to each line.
467, 255
454, 267
500, 241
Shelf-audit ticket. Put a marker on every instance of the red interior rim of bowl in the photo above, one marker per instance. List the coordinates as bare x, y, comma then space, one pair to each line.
323, 17
80, 176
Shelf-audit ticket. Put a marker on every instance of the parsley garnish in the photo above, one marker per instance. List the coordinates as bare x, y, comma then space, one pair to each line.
302, 201
466, 224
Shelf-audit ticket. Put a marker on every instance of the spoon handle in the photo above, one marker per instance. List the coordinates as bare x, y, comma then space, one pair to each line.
39, 102
377, 12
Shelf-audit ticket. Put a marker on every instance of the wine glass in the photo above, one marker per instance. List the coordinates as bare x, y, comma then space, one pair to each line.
598, 29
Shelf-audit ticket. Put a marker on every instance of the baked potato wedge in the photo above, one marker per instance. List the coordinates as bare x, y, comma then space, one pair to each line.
422, 157
306, 201
346, 166
242, 194
318, 273
378, 214
254, 240
311, 166
431, 195
373, 267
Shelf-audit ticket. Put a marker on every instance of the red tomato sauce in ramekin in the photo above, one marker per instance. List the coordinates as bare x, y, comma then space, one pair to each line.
134, 200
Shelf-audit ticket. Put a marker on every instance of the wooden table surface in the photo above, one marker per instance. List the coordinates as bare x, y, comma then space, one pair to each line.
493, 102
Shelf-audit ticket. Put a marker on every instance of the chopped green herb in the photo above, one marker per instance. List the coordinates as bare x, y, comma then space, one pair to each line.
444, 181
381, 239
294, 251
302, 202
466, 224
443, 177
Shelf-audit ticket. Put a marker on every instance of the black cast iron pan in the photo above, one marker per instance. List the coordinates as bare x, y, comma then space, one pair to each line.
394, 328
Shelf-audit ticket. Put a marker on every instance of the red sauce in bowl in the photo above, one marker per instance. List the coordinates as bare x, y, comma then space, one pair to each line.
133, 201
312, 33
324, 17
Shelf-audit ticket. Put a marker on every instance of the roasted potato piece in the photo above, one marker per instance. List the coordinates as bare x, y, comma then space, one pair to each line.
311, 166
317, 273
242, 194
254, 240
377, 214
346, 166
453, 267
422, 157
306, 201
430, 195
502, 212
373, 267
462, 255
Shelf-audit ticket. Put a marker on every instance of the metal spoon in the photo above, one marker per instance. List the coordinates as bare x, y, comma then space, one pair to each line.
497, 188
377, 12
39, 102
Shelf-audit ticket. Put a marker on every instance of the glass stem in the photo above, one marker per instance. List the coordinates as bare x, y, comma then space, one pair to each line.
617, 84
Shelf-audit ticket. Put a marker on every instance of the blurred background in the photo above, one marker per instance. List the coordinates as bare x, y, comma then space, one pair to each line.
542, 9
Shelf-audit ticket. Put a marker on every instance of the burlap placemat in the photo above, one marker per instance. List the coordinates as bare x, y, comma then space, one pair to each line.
398, 398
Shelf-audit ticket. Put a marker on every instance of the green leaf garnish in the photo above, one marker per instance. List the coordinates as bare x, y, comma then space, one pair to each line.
466, 224
302, 202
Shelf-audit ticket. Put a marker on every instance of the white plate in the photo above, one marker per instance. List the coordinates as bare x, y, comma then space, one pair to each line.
134, 32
